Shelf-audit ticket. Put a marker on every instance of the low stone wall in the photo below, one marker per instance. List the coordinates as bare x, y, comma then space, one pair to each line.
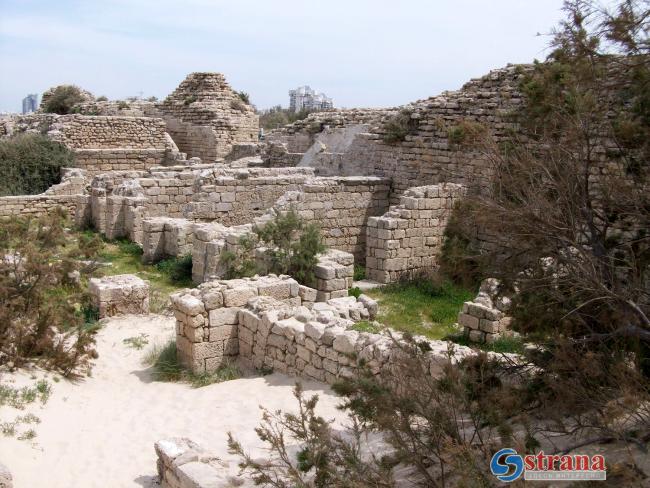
207, 317
408, 238
184, 464
119, 294
237, 196
66, 195
334, 274
97, 161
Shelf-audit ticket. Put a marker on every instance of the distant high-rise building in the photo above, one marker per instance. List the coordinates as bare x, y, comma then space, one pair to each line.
30, 103
304, 98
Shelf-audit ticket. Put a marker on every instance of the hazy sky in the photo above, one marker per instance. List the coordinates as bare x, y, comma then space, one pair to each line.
364, 53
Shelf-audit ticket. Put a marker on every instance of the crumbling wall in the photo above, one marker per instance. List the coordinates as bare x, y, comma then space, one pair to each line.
205, 117
341, 207
408, 238
436, 149
101, 144
66, 195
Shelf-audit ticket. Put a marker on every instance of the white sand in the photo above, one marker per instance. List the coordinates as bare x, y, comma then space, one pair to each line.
100, 431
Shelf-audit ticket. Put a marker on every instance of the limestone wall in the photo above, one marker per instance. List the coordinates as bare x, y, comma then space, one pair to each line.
428, 155
408, 238
269, 323
101, 143
341, 207
66, 195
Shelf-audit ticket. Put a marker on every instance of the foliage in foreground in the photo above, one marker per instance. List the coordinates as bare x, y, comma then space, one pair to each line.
166, 367
290, 247
442, 430
43, 294
570, 219
31, 163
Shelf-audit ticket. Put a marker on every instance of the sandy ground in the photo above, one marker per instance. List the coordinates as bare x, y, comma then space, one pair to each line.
100, 432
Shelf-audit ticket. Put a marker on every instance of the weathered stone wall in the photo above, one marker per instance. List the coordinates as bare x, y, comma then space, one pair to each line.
340, 206
207, 317
270, 323
428, 155
66, 195
121, 200
101, 143
408, 238
484, 319
238, 196
205, 117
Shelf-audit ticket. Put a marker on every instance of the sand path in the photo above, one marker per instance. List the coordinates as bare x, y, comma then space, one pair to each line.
100, 432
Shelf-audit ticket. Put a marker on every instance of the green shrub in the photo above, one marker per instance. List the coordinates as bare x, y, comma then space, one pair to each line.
238, 105
355, 292
63, 99
177, 269
291, 247
397, 127
102, 98
244, 97
190, 99
359, 272
31, 163
277, 116
122, 105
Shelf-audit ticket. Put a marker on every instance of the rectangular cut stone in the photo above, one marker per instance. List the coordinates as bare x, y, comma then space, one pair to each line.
224, 316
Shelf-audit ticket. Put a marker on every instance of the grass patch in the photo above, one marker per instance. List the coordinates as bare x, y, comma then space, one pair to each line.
137, 342
367, 326
359, 272
355, 292
421, 306
20, 397
514, 345
166, 367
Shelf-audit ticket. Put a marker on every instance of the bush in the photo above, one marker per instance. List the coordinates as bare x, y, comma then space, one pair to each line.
43, 294
177, 269
63, 99
238, 105
277, 116
244, 97
31, 163
102, 98
291, 247
122, 105
397, 127
189, 100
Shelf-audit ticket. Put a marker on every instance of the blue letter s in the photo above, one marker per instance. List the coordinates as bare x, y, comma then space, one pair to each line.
512, 459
